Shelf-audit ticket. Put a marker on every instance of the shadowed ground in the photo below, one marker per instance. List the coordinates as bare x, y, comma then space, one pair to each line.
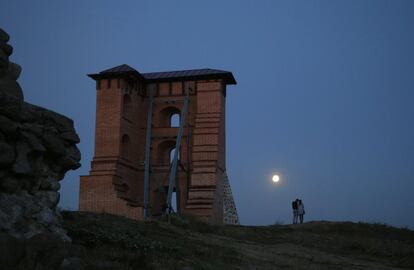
111, 242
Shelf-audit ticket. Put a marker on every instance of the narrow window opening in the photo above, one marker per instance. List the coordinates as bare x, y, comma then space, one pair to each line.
127, 108
169, 117
175, 120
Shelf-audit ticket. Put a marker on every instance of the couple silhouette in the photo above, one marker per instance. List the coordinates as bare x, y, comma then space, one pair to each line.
298, 211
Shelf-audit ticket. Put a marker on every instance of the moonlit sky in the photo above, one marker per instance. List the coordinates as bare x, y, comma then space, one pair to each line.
325, 93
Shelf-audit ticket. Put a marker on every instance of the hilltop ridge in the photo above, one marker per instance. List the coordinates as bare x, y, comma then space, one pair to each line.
102, 241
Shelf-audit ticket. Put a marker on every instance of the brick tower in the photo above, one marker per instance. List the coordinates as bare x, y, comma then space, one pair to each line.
115, 183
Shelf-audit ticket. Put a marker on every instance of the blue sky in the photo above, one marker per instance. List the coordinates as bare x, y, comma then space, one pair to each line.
324, 98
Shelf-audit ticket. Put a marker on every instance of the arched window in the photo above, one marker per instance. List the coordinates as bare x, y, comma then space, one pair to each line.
126, 147
172, 152
164, 152
169, 117
127, 106
175, 120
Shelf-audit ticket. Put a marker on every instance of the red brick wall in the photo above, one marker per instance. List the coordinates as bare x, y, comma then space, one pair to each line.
115, 183
97, 194
108, 120
205, 190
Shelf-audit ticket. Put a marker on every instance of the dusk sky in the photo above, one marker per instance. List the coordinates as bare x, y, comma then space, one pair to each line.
325, 93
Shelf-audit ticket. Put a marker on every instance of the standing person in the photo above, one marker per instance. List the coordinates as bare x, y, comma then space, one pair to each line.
295, 211
301, 210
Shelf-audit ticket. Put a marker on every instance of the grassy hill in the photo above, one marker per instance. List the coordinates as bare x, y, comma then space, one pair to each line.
110, 242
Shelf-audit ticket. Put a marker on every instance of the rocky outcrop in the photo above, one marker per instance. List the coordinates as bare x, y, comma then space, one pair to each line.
37, 148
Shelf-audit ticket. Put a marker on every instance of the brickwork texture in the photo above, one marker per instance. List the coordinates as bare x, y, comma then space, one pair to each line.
115, 183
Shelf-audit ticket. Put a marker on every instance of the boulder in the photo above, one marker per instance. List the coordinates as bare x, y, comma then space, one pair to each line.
9, 184
12, 251
11, 97
70, 136
43, 252
7, 49
14, 71
8, 126
37, 148
22, 164
54, 143
7, 154
4, 36
34, 142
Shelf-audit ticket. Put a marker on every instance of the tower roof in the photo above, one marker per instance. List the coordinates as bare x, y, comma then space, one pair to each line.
192, 74
118, 71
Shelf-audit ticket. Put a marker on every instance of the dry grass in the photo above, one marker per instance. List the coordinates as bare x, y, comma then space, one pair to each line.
111, 242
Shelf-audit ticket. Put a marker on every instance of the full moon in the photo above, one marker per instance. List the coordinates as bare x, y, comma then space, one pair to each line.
275, 178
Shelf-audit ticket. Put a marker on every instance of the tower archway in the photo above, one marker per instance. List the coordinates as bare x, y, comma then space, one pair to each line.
169, 117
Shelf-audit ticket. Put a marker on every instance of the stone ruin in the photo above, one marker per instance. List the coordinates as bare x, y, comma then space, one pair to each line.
37, 148
230, 215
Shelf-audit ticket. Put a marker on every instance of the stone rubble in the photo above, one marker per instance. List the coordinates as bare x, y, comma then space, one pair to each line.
230, 215
37, 148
